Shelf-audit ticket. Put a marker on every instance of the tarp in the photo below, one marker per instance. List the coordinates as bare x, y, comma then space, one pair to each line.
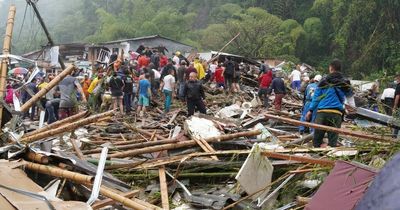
342, 189
384, 192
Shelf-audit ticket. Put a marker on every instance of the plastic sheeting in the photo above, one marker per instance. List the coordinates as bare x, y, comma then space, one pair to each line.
343, 188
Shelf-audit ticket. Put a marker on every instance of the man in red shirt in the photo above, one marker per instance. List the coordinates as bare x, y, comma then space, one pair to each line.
265, 81
143, 61
219, 77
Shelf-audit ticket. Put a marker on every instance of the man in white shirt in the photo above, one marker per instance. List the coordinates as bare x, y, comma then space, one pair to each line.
387, 98
295, 77
168, 88
176, 59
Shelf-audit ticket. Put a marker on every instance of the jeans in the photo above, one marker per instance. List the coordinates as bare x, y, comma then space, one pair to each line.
328, 119
181, 90
51, 110
168, 100
306, 108
128, 102
296, 85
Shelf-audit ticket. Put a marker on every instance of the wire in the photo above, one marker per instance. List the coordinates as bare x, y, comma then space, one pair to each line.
23, 21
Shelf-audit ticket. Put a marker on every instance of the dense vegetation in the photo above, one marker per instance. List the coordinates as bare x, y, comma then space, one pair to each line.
363, 33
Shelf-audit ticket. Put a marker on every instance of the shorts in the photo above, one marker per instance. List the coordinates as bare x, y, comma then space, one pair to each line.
236, 79
117, 97
143, 100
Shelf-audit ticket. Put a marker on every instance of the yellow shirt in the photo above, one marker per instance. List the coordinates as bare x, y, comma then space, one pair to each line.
42, 85
200, 70
93, 85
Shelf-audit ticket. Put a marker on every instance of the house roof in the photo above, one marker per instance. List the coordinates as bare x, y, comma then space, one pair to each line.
142, 38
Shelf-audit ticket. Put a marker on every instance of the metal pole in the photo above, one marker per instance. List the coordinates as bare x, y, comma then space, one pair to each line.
6, 51
33, 4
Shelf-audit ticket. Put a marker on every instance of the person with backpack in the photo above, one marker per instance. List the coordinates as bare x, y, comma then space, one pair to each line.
328, 103
229, 73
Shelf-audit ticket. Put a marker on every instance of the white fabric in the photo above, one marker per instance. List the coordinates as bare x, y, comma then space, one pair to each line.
54, 52
388, 93
176, 60
213, 67
295, 75
157, 74
169, 82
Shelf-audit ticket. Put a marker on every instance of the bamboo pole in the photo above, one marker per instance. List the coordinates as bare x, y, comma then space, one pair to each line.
183, 144
6, 51
323, 162
37, 157
134, 203
331, 129
133, 146
46, 89
109, 201
57, 172
144, 132
58, 123
68, 127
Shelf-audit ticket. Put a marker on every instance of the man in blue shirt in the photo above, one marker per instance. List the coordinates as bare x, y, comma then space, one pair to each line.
328, 103
144, 94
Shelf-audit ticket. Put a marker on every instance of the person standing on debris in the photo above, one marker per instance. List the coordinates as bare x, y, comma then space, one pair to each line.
144, 95
96, 89
265, 81
68, 96
199, 68
189, 70
263, 68
168, 88
328, 103
181, 79
295, 78
86, 85
194, 94
219, 77
279, 88
387, 98
229, 73
128, 90
116, 87
176, 59
31, 88
309, 93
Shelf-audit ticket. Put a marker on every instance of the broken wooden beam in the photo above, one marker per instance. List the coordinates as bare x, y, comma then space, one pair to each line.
47, 88
109, 201
323, 162
66, 128
36, 157
59, 123
144, 132
163, 188
6, 51
342, 131
183, 144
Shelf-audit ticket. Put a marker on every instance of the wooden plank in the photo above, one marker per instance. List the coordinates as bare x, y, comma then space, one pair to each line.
109, 201
205, 147
76, 148
342, 131
324, 162
163, 188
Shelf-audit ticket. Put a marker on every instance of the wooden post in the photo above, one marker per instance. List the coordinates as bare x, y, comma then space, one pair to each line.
46, 89
342, 131
67, 127
6, 51
181, 144
323, 162
144, 132
163, 188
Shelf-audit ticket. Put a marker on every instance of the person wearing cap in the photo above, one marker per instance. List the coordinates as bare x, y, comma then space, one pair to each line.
279, 88
387, 98
328, 102
309, 93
